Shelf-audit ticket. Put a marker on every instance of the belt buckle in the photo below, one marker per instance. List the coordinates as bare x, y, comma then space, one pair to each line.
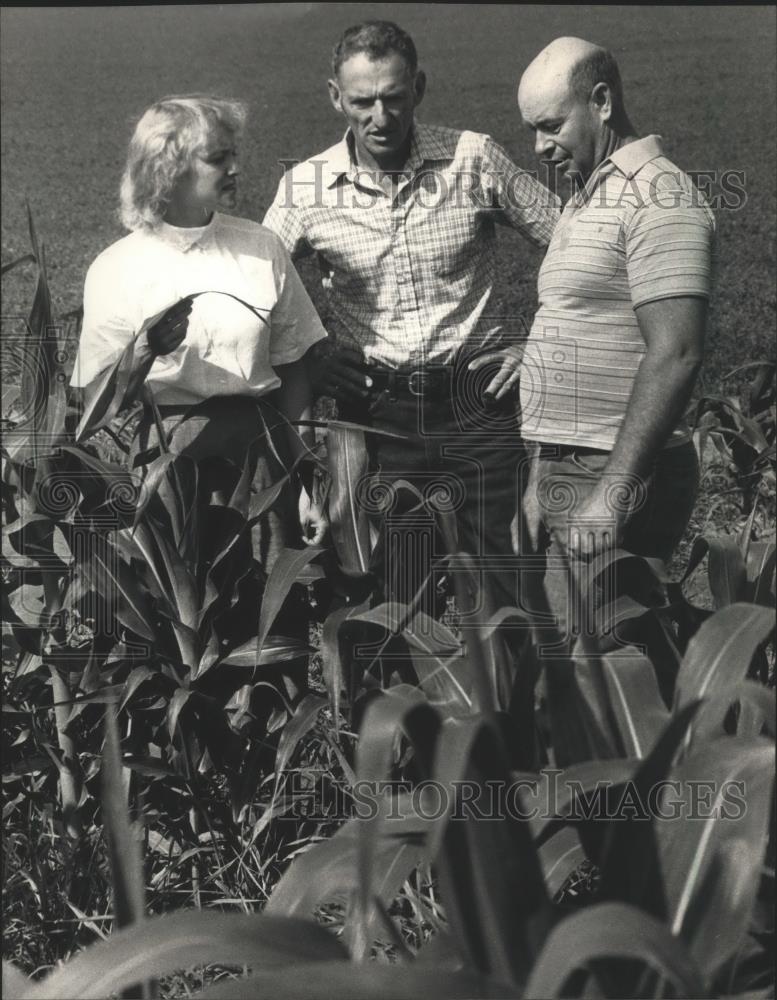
411, 383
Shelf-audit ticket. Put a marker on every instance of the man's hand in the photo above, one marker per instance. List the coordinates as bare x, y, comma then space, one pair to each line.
526, 525
340, 372
596, 524
169, 331
312, 520
504, 381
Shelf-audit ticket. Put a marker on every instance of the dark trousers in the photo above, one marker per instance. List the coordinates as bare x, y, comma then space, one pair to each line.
461, 458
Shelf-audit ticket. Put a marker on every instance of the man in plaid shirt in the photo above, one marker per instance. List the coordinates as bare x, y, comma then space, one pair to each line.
402, 217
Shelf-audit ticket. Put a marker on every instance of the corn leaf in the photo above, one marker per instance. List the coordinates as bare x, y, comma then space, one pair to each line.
726, 569
296, 729
154, 476
138, 675
427, 635
568, 794
175, 707
631, 833
721, 652
367, 981
580, 729
756, 712
612, 931
285, 571
560, 856
348, 522
332, 655
761, 561
490, 873
406, 711
160, 946
730, 820
328, 870
276, 649
112, 577
636, 702
260, 503
106, 395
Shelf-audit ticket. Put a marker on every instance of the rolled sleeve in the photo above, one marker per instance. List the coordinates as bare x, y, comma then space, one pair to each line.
294, 323
524, 203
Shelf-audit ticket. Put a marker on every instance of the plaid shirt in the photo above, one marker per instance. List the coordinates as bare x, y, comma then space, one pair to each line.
408, 276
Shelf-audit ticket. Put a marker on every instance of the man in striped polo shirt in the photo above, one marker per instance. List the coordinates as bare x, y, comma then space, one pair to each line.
617, 341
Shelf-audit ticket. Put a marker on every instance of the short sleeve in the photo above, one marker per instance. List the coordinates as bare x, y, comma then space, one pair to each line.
285, 219
108, 325
670, 246
525, 204
294, 322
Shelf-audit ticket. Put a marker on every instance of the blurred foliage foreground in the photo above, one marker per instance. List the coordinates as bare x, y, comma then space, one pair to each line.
161, 786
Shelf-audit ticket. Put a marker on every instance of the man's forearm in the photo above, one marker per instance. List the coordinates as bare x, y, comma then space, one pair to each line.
674, 334
661, 392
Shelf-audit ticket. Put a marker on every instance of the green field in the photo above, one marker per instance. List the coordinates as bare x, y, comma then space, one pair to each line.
73, 81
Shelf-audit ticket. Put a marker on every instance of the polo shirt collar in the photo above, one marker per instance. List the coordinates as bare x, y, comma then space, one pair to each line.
184, 238
628, 159
423, 146
632, 157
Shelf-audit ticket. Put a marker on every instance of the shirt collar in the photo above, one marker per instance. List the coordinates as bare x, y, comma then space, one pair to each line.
184, 238
628, 159
424, 145
340, 163
632, 157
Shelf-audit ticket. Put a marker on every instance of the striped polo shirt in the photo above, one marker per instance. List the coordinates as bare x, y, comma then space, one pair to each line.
638, 232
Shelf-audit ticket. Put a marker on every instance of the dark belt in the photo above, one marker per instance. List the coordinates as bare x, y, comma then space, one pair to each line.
431, 383
551, 451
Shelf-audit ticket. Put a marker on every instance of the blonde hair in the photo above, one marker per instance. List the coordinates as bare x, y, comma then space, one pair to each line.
161, 149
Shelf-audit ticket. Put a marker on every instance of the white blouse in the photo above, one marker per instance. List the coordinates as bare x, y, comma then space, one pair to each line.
228, 349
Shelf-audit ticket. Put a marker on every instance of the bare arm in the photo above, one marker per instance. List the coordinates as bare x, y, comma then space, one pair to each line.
294, 402
674, 334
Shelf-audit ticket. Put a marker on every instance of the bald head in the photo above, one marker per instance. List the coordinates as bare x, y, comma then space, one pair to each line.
570, 67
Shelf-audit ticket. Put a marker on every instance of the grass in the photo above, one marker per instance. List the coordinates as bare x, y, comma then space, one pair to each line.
67, 122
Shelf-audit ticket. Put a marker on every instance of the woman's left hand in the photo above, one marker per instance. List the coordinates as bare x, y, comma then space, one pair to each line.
312, 520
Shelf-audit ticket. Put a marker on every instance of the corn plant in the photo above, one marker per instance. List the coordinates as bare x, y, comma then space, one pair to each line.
114, 593
742, 429
675, 909
447, 771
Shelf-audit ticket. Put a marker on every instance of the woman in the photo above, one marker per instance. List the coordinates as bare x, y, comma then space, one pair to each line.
219, 317
220, 324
